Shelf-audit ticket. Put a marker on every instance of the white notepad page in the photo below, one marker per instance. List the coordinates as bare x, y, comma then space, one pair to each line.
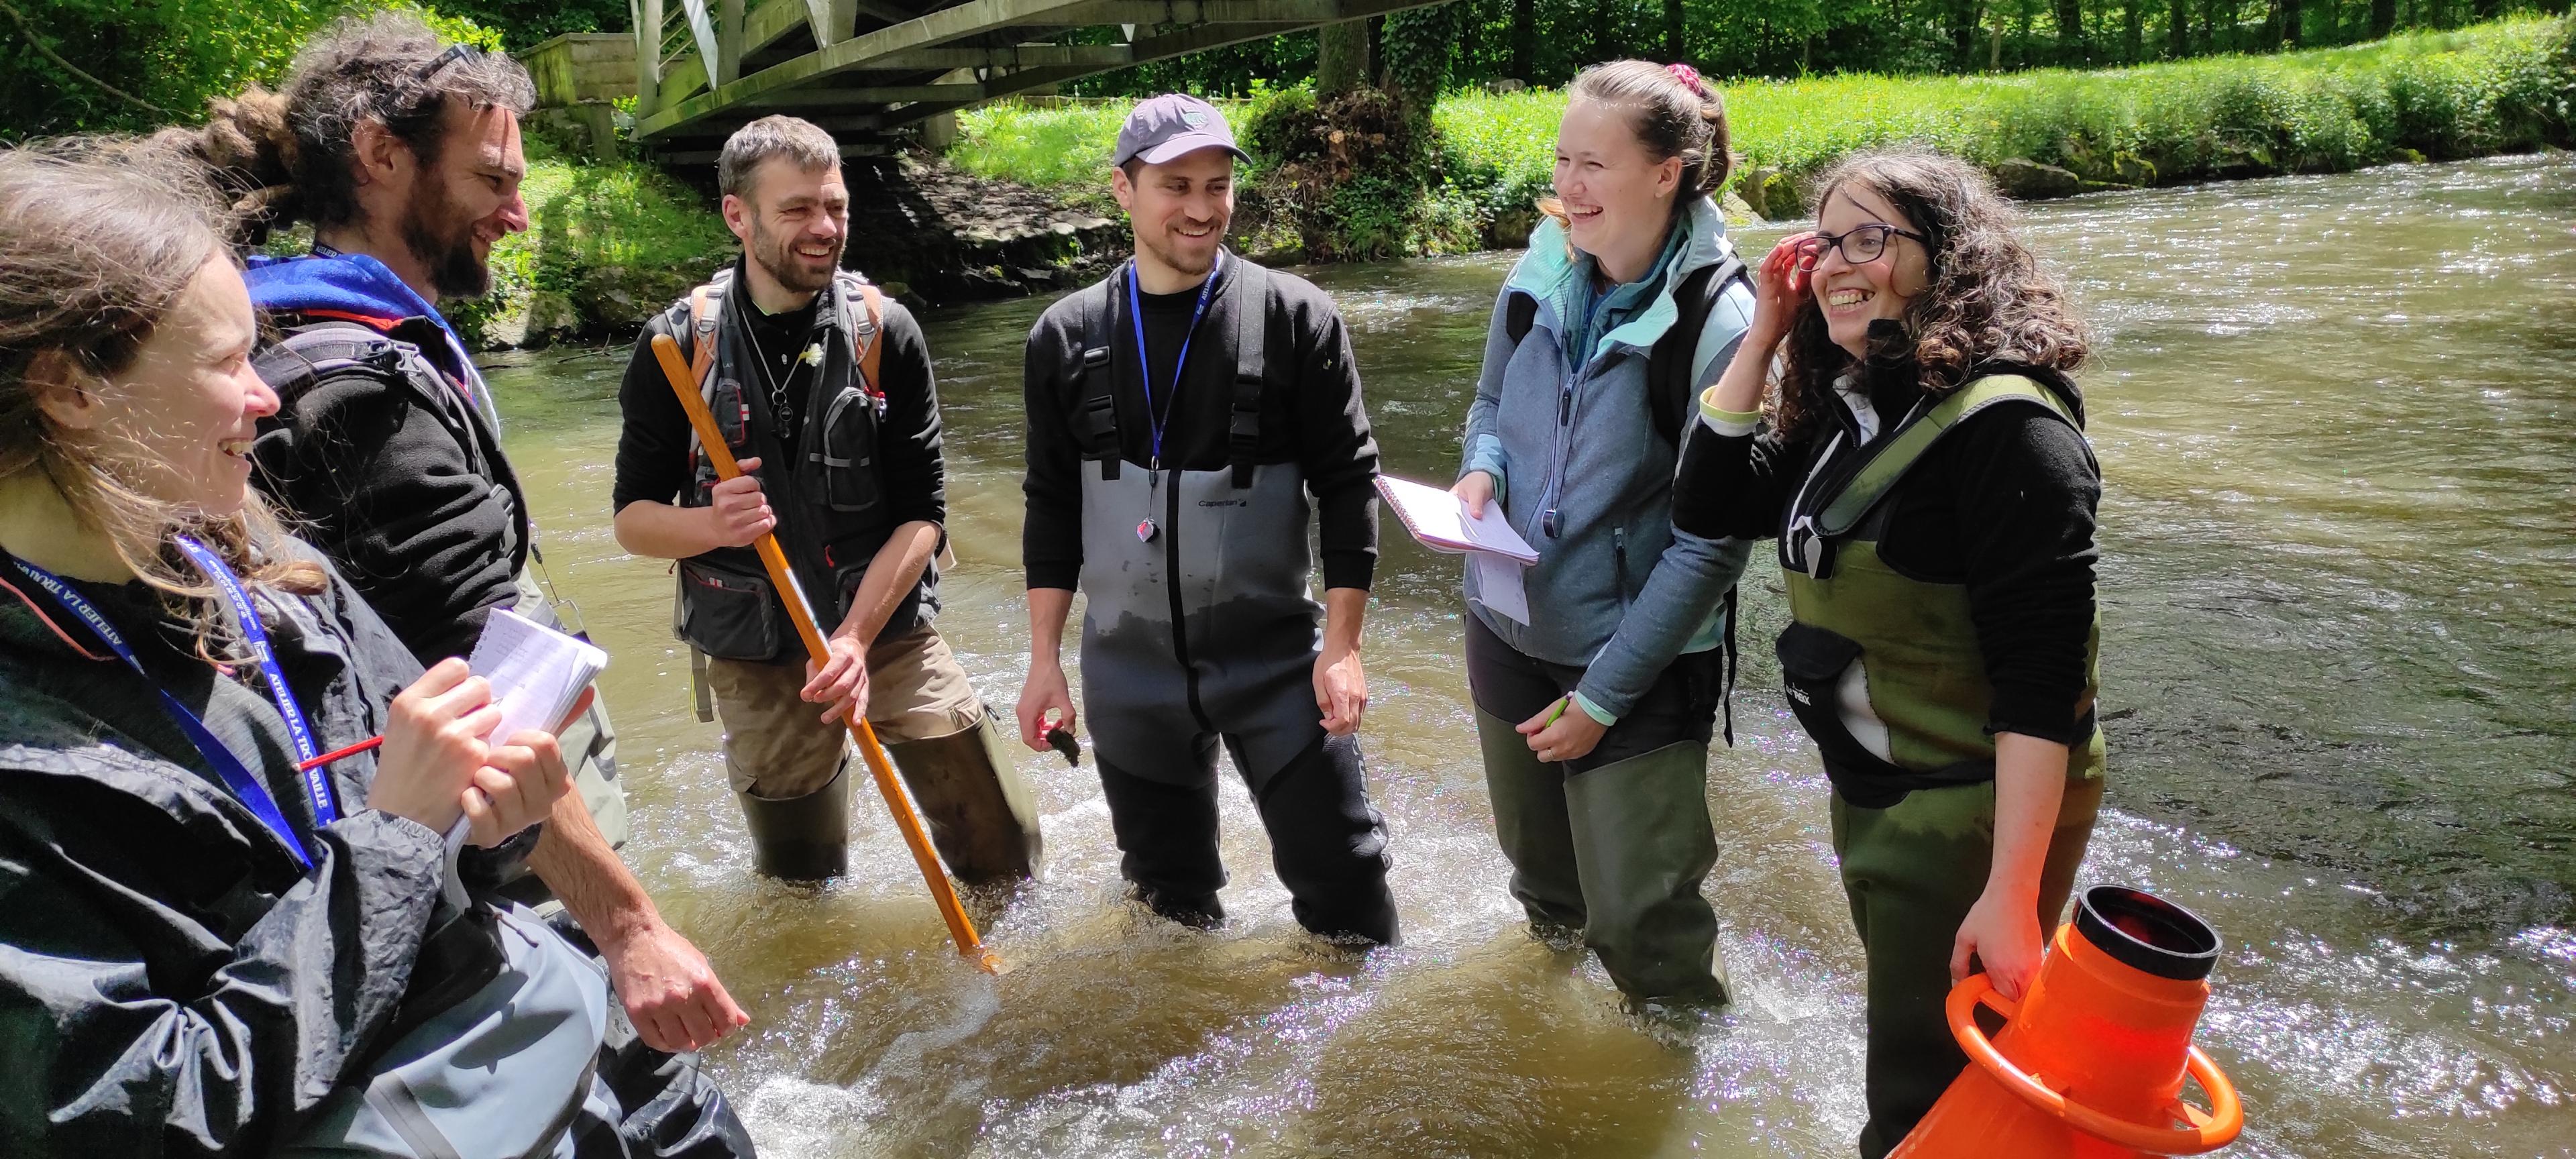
536, 672
1439, 520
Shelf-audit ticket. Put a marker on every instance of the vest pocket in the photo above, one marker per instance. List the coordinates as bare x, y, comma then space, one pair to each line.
848, 452
1813, 661
727, 613
732, 412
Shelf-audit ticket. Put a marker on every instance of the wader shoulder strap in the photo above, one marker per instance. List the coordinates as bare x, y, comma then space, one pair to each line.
1907, 446
1251, 334
1095, 417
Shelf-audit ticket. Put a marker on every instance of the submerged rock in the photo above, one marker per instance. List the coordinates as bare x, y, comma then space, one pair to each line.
2030, 180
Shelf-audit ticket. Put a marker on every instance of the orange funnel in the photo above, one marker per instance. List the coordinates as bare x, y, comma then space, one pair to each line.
2091, 1062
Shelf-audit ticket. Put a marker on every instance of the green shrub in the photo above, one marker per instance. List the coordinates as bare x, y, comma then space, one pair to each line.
608, 243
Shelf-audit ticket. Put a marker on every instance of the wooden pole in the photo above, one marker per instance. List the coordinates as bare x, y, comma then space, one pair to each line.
960, 930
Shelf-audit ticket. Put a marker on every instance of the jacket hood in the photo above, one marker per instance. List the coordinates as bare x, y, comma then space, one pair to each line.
1547, 273
349, 284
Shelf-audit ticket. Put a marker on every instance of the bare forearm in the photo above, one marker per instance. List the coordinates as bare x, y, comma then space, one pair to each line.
891, 575
574, 860
1048, 608
2030, 780
1344, 610
662, 531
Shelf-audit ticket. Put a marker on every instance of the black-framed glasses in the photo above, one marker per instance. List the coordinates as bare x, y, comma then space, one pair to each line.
1860, 245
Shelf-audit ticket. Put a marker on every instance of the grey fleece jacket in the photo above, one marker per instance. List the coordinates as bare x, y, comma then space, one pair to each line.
1617, 590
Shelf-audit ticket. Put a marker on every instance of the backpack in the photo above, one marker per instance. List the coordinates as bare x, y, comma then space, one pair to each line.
1669, 363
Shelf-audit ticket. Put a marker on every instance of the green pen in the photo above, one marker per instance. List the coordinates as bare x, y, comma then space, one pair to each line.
1561, 702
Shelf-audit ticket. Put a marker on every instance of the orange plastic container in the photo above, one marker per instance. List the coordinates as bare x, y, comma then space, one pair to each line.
2091, 1062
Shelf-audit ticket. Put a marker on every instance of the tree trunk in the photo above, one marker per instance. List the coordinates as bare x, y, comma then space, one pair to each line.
1676, 46
2070, 29
2134, 26
2383, 18
2209, 26
2291, 19
1605, 18
2486, 9
2178, 30
1524, 37
1341, 57
1964, 16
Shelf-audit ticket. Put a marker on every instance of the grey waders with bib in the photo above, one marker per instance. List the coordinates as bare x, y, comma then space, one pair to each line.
1885, 673
1614, 845
832, 507
1200, 628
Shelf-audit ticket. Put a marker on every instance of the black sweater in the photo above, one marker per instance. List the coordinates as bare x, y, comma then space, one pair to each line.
1311, 414
653, 445
2004, 504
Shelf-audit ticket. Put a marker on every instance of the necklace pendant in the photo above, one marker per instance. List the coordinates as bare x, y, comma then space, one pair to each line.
1145, 530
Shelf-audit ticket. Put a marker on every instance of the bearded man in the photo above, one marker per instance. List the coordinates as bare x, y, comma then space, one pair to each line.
822, 389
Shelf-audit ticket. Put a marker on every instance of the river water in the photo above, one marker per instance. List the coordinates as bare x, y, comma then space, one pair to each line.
2337, 421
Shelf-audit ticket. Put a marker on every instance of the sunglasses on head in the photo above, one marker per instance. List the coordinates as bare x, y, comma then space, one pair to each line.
454, 53
1860, 245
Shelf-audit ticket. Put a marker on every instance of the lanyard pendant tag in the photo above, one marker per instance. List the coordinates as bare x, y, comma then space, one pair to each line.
1145, 530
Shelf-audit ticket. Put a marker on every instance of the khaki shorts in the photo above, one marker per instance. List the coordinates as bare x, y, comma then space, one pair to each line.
776, 744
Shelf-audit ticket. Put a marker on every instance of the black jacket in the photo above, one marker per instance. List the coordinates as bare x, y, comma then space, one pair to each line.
1312, 414
397, 477
171, 981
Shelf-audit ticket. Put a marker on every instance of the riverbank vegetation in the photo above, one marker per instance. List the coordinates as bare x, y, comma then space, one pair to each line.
1486, 157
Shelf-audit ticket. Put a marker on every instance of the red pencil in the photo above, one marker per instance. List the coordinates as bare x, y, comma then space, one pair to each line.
338, 754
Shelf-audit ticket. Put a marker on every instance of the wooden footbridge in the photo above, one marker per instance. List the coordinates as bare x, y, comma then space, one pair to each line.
867, 69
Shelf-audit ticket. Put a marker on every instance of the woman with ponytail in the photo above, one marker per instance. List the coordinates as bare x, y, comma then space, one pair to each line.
1598, 673
208, 948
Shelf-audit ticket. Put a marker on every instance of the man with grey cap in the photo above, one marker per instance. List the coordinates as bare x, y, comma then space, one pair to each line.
1190, 418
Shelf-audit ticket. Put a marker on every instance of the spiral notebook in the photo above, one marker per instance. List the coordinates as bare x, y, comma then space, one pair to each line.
1495, 553
537, 673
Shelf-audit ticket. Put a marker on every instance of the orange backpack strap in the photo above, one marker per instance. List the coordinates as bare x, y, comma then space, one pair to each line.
702, 330
868, 334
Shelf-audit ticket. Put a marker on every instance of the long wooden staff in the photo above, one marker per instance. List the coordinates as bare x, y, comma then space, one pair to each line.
962, 931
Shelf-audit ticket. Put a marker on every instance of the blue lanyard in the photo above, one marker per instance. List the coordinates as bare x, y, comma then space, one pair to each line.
1144, 362
244, 786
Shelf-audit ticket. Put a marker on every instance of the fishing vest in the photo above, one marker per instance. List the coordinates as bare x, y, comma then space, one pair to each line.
1198, 618
1884, 670
830, 497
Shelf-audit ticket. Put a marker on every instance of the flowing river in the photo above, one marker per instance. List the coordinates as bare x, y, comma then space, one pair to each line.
2337, 420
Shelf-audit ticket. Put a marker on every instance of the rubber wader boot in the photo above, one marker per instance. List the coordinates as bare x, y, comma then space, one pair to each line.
801, 838
1644, 842
1531, 823
980, 811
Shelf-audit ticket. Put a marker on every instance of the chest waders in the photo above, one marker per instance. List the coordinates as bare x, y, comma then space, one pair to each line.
1199, 619
830, 496
1885, 673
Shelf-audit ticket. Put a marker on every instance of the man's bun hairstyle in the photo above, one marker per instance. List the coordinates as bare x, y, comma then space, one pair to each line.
286, 156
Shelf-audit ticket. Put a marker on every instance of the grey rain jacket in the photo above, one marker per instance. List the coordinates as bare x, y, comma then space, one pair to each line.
172, 982
1617, 591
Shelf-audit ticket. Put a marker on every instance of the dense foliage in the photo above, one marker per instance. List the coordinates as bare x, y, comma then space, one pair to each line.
607, 244
131, 65
1542, 42
2503, 86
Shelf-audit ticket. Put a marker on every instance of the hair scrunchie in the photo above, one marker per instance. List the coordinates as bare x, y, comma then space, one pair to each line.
1686, 74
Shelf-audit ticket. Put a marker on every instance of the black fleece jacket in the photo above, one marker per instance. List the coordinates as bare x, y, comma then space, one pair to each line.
2004, 504
1312, 414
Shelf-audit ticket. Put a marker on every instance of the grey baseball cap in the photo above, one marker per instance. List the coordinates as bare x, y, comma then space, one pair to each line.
1170, 125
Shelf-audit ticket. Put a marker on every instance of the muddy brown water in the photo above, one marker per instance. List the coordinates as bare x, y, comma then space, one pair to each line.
2337, 418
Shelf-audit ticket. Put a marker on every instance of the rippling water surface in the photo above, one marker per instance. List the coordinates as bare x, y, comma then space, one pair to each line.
2337, 418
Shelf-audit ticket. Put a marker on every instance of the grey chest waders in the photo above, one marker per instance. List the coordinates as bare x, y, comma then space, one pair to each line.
1200, 620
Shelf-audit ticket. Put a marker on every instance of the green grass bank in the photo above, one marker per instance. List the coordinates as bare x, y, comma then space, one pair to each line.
608, 243
2494, 88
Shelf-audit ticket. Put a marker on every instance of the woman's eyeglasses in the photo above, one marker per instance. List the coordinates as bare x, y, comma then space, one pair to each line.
1860, 245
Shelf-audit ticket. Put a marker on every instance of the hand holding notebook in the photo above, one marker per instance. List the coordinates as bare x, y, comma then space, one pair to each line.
1495, 553
540, 678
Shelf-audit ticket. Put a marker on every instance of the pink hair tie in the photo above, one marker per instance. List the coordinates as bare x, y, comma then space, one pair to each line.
1685, 74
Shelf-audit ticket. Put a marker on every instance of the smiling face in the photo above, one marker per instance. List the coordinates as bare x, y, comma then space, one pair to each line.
793, 221
1618, 198
1180, 209
467, 200
176, 425
1853, 295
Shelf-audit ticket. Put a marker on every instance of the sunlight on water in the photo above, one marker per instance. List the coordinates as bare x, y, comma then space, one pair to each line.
2337, 417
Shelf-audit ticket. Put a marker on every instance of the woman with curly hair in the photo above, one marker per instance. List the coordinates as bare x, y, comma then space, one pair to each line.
1924, 468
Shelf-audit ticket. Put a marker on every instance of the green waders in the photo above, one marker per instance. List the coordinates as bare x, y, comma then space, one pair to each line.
1885, 673
980, 811
803, 838
1911, 872
1617, 852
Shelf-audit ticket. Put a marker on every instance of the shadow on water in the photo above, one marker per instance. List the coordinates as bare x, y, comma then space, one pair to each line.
2337, 419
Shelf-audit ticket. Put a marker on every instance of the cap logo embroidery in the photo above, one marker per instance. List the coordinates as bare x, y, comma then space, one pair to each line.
1193, 118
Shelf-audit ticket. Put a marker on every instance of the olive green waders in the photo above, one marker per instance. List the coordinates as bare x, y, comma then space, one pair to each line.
1911, 872
1617, 852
